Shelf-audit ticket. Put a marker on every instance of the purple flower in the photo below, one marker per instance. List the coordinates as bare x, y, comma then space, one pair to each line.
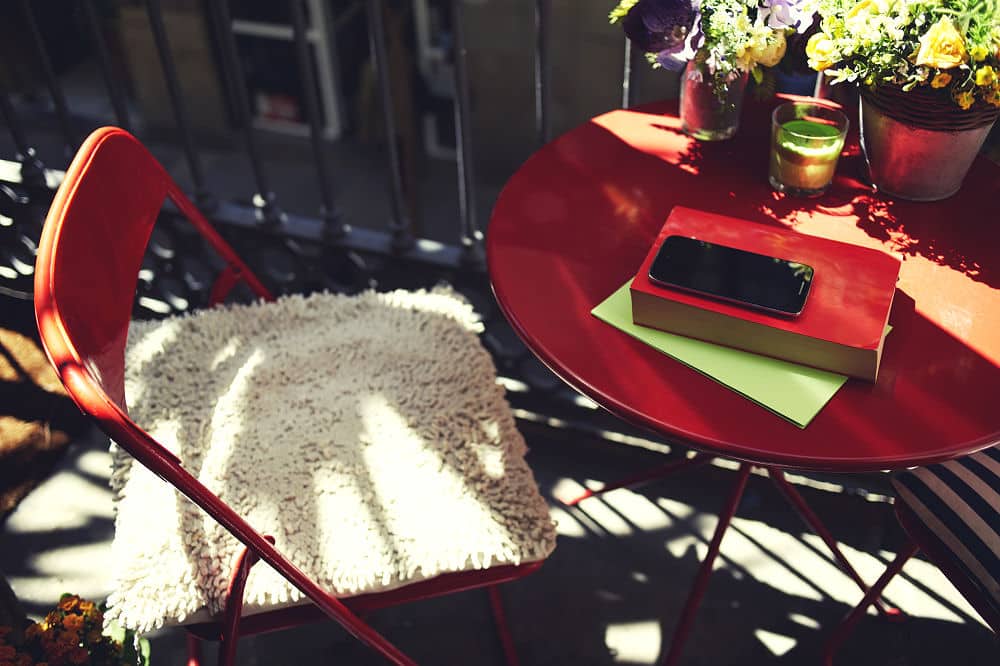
780, 14
676, 57
655, 26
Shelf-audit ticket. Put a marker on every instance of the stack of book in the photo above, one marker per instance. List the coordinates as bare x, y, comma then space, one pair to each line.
791, 364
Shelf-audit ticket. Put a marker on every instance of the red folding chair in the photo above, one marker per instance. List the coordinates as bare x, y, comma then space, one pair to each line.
88, 261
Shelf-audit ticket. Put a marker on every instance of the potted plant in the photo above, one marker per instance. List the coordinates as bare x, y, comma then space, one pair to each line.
717, 44
928, 77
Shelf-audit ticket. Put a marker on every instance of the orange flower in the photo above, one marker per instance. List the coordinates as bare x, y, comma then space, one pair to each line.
73, 622
940, 80
965, 99
69, 602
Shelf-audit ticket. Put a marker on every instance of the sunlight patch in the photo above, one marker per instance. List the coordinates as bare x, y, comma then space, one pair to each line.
635, 642
778, 645
95, 463
566, 525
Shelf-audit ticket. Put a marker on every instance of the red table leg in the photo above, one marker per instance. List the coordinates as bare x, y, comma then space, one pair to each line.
652, 475
847, 625
701, 582
698, 588
812, 520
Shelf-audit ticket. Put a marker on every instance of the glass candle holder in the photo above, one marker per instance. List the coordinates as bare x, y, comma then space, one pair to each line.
806, 141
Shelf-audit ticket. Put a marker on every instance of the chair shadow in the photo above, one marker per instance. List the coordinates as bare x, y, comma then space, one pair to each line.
608, 597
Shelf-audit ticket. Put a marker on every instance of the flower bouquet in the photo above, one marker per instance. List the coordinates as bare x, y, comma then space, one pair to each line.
72, 634
928, 75
948, 45
717, 43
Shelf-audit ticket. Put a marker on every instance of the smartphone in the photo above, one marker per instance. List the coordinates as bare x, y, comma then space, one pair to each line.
770, 284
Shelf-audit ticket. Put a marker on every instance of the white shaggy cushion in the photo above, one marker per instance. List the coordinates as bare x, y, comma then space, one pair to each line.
367, 434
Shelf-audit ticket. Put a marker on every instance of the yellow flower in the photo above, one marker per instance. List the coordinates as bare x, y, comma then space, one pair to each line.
867, 6
941, 46
771, 50
978, 53
822, 52
965, 99
940, 80
985, 76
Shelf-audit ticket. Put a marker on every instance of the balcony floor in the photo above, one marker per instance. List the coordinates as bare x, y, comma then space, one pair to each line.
609, 595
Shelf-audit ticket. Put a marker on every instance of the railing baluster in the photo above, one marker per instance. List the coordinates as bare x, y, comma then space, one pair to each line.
542, 70
51, 82
114, 90
155, 12
630, 86
402, 225
470, 235
328, 211
266, 199
32, 169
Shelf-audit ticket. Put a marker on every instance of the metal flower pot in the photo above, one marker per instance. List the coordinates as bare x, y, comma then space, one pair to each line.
916, 163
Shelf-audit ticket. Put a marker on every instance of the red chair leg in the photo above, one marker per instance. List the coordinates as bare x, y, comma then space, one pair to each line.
503, 629
654, 474
705, 571
813, 521
234, 605
847, 625
193, 650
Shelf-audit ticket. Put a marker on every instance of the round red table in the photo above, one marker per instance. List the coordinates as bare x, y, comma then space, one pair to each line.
576, 220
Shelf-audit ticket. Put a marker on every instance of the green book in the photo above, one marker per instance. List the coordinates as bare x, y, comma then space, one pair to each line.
794, 392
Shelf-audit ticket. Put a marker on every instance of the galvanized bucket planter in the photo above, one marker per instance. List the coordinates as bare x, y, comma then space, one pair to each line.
918, 144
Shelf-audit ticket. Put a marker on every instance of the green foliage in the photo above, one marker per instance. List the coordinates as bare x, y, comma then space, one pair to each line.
621, 9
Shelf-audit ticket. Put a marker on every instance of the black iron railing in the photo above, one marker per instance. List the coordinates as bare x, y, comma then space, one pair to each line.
291, 252
294, 252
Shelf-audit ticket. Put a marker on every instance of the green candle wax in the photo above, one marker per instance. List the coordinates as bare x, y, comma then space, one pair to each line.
804, 154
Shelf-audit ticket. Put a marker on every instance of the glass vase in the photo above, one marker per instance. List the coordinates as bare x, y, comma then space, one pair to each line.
710, 104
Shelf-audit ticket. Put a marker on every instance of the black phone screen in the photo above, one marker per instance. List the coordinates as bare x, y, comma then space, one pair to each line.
767, 283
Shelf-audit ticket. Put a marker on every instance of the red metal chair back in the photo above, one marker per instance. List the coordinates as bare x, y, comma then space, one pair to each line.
104, 213
86, 273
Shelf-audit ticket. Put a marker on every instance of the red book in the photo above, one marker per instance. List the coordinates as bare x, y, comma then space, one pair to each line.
841, 328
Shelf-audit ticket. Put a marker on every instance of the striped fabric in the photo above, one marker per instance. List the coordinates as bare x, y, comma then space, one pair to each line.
959, 502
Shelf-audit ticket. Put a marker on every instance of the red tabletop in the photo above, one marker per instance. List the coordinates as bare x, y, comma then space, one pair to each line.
575, 221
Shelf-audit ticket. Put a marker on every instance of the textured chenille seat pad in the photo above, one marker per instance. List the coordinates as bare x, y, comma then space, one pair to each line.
367, 434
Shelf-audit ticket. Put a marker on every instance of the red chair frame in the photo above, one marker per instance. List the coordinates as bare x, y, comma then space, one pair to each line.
87, 269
